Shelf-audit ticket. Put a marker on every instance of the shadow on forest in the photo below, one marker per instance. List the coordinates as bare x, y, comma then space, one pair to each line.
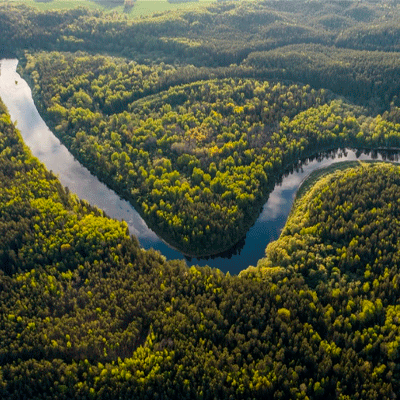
233, 251
112, 4
109, 4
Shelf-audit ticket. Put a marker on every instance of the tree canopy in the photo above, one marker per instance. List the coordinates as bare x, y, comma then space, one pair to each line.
194, 117
86, 313
198, 158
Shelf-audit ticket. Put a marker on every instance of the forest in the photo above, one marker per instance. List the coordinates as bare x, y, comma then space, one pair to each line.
194, 116
86, 313
198, 158
195, 129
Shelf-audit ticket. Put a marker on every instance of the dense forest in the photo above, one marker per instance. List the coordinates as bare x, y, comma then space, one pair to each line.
196, 159
85, 313
194, 116
219, 34
349, 47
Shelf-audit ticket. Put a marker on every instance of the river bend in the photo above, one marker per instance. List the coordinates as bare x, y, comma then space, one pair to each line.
17, 96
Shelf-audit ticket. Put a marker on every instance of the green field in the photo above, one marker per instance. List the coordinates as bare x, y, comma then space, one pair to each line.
142, 8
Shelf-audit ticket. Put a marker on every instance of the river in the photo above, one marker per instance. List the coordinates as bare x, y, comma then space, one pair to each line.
17, 96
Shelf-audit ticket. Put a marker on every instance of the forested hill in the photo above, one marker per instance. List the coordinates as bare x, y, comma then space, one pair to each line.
332, 44
219, 34
85, 313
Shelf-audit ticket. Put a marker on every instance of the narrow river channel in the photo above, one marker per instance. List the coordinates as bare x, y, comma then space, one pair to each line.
16, 95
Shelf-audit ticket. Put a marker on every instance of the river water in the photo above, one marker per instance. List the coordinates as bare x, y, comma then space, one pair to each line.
17, 96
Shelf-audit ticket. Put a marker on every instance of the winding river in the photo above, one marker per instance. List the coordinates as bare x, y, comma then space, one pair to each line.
16, 95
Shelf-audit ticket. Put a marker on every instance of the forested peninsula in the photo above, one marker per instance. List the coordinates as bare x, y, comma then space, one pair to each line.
194, 116
197, 159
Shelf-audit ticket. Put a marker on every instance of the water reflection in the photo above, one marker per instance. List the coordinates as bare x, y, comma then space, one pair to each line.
45, 146
78, 179
273, 216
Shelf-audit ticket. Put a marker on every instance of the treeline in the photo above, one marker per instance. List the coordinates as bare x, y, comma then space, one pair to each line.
218, 35
347, 47
198, 159
367, 78
111, 318
364, 76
